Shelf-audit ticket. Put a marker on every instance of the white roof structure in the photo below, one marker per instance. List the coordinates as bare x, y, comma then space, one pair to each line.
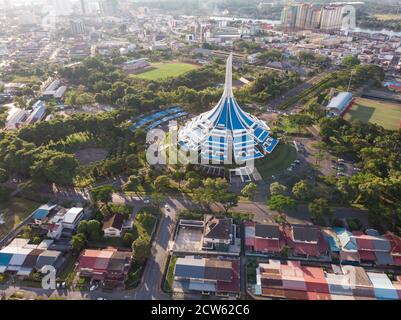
38, 111
72, 215
227, 130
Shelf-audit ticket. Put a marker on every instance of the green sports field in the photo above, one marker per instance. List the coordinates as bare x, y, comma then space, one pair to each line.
384, 113
165, 70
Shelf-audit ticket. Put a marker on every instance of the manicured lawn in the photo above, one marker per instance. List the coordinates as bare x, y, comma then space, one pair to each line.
384, 113
165, 70
277, 162
15, 211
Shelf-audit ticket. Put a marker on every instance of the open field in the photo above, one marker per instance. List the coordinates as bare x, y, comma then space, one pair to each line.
384, 113
14, 211
165, 70
277, 162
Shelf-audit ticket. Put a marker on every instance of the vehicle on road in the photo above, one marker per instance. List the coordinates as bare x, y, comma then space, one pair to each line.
93, 288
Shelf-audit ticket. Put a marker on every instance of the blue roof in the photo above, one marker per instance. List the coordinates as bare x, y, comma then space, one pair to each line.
156, 116
5, 258
332, 243
43, 211
228, 119
344, 233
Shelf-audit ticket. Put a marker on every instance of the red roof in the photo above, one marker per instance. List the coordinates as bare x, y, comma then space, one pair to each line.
249, 241
367, 255
395, 243
310, 249
295, 294
98, 260
364, 241
234, 285
267, 245
318, 296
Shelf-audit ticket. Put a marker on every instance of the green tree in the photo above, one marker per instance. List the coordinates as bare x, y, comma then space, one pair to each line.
158, 199
250, 191
281, 203
94, 230
78, 242
319, 209
303, 190
128, 239
132, 183
276, 188
162, 184
140, 250
83, 227
103, 193
350, 61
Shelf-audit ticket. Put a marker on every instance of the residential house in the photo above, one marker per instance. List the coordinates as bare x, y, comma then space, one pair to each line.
218, 233
113, 225
373, 248
306, 241
21, 258
72, 218
292, 280
263, 238
204, 275
109, 265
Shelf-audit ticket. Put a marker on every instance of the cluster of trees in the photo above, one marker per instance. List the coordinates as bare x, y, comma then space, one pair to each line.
304, 191
216, 191
374, 23
313, 60
378, 153
43, 151
267, 86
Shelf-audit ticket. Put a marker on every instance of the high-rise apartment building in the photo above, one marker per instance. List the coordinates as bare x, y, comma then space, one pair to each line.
306, 16
288, 16
302, 15
331, 18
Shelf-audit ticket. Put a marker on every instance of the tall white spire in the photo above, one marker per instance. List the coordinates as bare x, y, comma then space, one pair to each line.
228, 87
